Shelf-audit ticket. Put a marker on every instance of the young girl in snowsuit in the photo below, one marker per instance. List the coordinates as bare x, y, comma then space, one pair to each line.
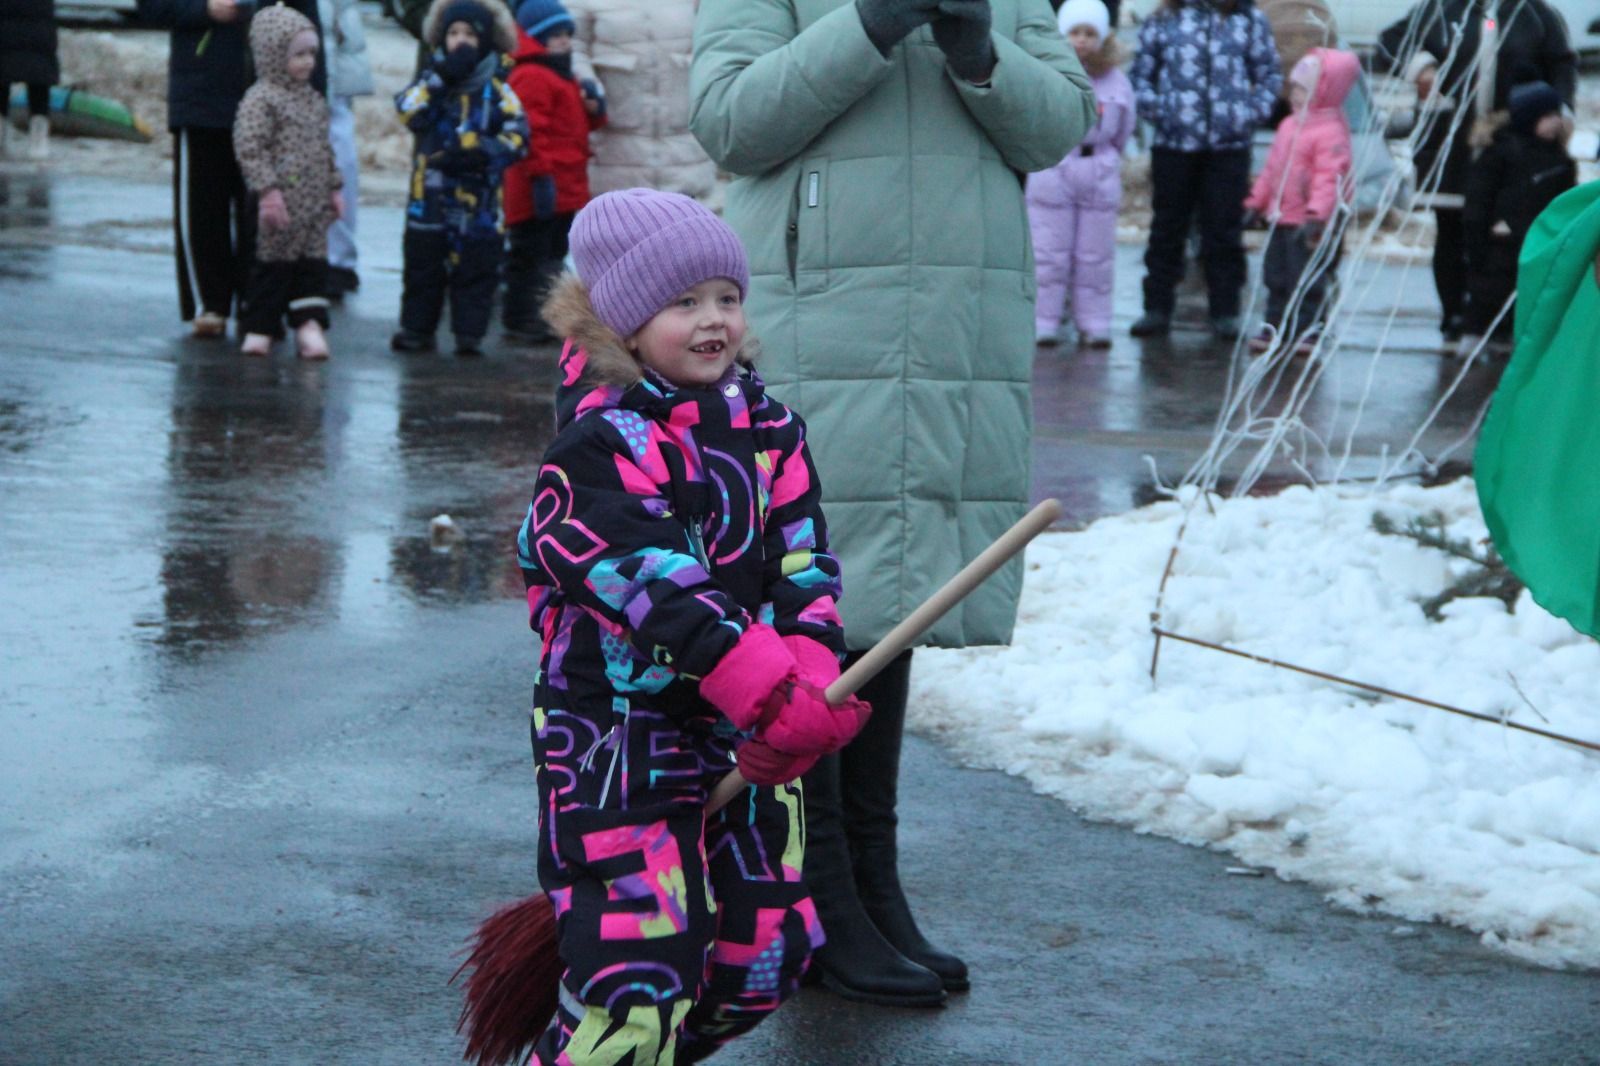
1072, 207
544, 190
1304, 182
677, 566
469, 128
280, 137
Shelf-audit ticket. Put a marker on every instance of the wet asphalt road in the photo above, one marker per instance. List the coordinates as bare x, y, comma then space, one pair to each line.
265, 756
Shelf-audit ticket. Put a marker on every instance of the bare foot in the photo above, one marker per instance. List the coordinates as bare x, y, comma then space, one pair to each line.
312, 342
256, 344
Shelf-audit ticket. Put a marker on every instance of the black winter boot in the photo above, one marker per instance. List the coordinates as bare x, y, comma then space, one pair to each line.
869, 781
856, 962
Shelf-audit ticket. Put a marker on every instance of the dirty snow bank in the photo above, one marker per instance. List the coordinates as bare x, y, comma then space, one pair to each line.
1383, 804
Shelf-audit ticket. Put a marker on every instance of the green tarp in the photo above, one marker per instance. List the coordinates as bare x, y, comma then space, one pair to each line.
1538, 459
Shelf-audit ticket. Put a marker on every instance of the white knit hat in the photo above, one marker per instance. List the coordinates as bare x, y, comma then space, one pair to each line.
1084, 13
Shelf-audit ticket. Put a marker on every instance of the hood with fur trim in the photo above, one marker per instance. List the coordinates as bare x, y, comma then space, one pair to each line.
596, 359
505, 25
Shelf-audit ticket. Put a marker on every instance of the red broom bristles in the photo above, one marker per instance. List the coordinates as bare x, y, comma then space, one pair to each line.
512, 990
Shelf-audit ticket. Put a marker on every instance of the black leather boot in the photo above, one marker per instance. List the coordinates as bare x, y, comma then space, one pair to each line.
869, 782
856, 962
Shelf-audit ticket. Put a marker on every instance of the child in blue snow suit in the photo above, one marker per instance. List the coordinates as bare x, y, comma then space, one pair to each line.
1207, 75
677, 565
469, 127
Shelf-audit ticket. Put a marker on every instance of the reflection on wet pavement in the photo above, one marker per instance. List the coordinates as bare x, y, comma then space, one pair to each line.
271, 492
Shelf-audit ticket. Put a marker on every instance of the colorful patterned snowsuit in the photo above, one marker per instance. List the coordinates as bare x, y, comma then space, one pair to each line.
664, 522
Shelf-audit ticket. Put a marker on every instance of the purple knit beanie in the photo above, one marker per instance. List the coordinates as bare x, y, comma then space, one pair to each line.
635, 249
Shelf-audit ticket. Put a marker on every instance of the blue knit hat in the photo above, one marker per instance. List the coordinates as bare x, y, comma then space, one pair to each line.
540, 18
1530, 102
636, 249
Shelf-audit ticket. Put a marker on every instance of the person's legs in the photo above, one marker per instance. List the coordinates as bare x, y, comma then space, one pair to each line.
869, 775
217, 256
1319, 271
525, 247
38, 120
1278, 274
342, 255
425, 280
1052, 226
632, 971
856, 961
265, 302
308, 307
1093, 259
1450, 269
1224, 182
473, 280
766, 924
1174, 192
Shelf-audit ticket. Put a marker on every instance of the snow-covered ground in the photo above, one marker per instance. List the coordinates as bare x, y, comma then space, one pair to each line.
1386, 805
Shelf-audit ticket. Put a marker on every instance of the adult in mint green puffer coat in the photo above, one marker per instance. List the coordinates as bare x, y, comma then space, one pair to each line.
881, 203
878, 190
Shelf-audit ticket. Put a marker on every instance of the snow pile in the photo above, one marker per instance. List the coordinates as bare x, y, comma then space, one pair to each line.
1385, 804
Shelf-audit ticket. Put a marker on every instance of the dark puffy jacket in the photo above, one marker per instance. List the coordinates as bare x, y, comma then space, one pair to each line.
664, 522
209, 65
1513, 181
28, 43
1206, 75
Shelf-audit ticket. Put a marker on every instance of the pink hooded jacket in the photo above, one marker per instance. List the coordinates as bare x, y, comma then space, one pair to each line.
1308, 167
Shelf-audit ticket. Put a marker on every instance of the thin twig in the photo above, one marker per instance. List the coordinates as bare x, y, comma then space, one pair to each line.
1336, 679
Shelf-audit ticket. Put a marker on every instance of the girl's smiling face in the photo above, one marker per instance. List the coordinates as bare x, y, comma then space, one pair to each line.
693, 340
302, 55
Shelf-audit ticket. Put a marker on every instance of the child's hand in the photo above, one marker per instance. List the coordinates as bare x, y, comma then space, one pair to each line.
1424, 82
805, 724
592, 105
336, 201
1500, 229
272, 213
1311, 233
762, 764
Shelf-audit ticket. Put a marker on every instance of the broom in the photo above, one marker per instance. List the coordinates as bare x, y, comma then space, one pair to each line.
514, 958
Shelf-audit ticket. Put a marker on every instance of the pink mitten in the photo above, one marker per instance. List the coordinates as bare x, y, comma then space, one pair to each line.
762, 764
816, 660
744, 682
804, 724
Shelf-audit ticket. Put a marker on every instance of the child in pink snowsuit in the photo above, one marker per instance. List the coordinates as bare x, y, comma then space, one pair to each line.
1306, 177
1072, 207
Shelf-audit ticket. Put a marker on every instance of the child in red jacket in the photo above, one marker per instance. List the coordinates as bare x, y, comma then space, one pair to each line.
549, 186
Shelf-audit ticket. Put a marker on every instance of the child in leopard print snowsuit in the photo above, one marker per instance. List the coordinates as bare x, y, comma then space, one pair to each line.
281, 140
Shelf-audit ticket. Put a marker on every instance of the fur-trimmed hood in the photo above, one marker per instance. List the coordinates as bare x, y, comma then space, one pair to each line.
596, 359
1109, 54
505, 25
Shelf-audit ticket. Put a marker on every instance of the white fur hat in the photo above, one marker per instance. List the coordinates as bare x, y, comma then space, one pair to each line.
1084, 13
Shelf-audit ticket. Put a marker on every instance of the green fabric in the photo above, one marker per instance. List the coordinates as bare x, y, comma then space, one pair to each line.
1538, 460
892, 275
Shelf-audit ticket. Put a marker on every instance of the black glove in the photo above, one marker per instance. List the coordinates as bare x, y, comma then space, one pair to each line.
962, 32
888, 21
544, 197
456, 64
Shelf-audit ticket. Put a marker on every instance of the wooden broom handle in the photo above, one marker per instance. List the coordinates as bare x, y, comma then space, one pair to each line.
916, 623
